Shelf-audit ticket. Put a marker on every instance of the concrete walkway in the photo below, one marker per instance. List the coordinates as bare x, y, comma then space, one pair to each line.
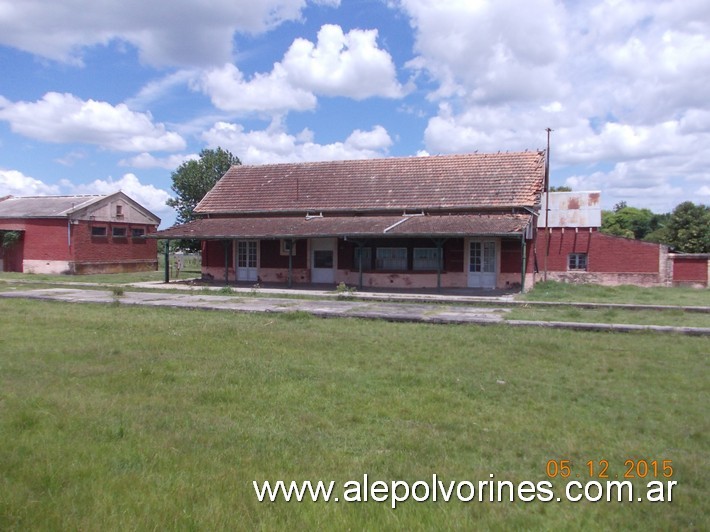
431, 312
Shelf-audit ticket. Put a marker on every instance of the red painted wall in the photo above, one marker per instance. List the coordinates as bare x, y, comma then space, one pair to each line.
270, 254
605, 253
48, 239
109, 248
690, 269
213, 253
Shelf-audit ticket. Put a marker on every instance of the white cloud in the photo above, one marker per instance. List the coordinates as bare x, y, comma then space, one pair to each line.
267, 93
349, 65
274, 145
64, 118
151, 197
146, 160
622, 84
341, 64
489, 50
158, 89
14, 183
179, 32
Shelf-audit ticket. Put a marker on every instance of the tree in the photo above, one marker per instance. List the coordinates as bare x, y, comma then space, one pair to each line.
195, 178
688, 229
561, 188
628, 222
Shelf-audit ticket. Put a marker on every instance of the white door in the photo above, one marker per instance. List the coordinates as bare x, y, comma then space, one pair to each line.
323, 260
246, 260
482, 264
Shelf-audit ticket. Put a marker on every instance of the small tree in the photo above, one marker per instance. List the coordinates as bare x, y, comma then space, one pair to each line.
192, 181
195, 178
688, 229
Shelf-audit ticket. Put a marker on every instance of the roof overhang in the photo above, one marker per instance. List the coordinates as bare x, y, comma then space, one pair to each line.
459, 225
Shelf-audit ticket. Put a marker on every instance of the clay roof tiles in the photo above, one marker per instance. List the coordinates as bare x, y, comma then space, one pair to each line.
434, 182
353, 226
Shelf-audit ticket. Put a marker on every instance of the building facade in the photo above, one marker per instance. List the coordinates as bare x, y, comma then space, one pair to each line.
76, 234
452, 221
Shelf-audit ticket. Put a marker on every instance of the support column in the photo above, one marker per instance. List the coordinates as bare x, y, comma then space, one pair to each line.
290, 264
524, 259
226, 261
167, 261
361, 247
439, 262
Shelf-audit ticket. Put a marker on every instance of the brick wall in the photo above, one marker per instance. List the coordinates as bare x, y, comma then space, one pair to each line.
610, 259
605, 253
109, 248
689, 269
48, 246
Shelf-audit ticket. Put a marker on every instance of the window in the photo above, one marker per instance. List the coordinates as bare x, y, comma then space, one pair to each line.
98, 231
119, 211
425, 259
137, 232
366, 258
119, 232
577, 261
391, 259
287, 244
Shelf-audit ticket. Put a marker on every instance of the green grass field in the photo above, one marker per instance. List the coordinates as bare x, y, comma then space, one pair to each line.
566, 292
115, 418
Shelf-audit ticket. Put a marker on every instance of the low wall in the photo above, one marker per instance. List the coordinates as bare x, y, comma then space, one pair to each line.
126, 266
607, 278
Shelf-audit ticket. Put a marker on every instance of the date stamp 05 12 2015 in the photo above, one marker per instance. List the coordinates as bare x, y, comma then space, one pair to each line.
640, 469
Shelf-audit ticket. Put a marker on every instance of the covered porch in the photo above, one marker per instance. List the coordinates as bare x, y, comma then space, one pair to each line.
409, 252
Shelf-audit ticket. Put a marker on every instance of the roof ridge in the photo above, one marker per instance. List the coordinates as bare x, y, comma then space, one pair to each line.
535, 152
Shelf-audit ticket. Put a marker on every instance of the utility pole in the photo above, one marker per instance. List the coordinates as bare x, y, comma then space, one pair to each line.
547, 203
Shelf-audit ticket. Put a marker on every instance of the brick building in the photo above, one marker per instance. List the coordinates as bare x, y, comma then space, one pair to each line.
454, 221
574, 250
414, 222
76, 234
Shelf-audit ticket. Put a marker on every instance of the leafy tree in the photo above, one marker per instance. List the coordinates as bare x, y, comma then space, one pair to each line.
689, 228
562, 188
628, 222
195, 178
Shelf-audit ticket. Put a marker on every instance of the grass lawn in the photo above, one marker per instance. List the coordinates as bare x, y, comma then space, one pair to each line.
566, 292
118, 278
673, 317
115, 418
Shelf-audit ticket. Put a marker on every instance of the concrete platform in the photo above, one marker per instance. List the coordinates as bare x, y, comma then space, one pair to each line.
424, 312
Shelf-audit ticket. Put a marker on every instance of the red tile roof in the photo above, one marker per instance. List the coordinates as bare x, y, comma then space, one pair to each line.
471, 181
351, 226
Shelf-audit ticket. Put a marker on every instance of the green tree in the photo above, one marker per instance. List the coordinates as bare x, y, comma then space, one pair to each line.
688, 229
561, 188
628, 222
195, 178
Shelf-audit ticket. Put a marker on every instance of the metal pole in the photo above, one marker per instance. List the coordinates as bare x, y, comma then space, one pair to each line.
439, 260
547, 203
361, 247
226, 261
167, 261
523, 248
290, 264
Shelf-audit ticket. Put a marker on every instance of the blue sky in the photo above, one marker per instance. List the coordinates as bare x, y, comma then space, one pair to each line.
101, 96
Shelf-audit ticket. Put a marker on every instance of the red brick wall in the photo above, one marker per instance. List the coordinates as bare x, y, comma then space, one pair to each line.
45, 239
112, 249
690, 269
270, 254
605, 253
48, 240
213, 253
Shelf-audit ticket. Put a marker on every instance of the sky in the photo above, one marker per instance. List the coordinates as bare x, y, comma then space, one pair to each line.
100, 96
